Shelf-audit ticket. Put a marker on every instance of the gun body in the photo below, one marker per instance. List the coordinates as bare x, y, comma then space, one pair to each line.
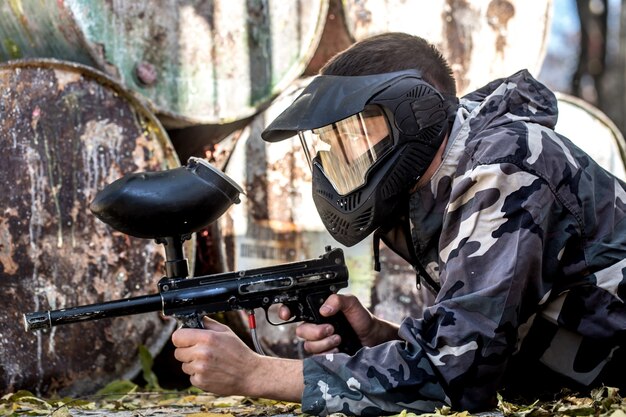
169, 206
302, 286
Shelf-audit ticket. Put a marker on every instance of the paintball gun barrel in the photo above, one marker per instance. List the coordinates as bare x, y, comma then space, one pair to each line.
142, 204
303, 286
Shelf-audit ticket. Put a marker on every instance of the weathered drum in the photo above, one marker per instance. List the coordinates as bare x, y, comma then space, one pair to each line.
197, 61
482, 39
335, 38
66, 131
592, 131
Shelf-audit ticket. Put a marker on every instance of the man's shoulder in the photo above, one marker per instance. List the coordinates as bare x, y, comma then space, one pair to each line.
531, 146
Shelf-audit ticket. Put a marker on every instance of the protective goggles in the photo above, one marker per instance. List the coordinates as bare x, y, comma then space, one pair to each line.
347, 149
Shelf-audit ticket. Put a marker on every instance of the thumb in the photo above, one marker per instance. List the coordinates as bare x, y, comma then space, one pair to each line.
210, 324
336, 302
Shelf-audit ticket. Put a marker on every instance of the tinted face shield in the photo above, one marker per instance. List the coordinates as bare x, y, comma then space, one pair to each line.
347, 149
369, 139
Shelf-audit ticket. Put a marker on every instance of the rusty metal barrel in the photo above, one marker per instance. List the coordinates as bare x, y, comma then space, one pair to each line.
482, 39
592, 131
68, 130
197, 62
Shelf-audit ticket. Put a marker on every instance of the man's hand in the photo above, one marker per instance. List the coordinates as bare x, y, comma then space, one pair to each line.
321, 338
218, 361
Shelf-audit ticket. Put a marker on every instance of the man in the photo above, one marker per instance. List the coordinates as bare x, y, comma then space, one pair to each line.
520, 233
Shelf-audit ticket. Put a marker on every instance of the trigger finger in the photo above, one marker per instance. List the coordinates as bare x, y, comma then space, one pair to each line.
284, 313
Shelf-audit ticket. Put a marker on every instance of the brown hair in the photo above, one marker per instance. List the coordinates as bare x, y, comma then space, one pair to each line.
394, 51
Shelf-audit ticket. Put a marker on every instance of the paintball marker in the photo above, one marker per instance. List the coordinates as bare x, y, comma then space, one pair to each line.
169, 206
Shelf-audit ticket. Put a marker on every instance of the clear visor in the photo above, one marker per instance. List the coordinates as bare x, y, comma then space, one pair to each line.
348, 148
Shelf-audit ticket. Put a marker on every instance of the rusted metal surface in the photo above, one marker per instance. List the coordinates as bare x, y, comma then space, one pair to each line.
66, 132
592, 131
197, 61
39, 29
277, 221
482, 39
205, 141
335, 38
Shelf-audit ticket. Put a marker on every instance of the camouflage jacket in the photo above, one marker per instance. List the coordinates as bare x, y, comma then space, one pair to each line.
527, 237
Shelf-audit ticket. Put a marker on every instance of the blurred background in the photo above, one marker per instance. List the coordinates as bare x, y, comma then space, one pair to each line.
585, 52
92, 90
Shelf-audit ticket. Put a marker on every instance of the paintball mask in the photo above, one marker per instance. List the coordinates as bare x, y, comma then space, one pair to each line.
368, 140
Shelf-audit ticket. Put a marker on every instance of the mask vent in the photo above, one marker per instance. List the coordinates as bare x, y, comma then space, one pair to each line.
363, 221
406, 170
324, 193
419, 91
429, 133
340, 226
334, 223
349, 203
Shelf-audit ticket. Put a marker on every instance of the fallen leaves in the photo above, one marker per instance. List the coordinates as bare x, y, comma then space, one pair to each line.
122, 396
603, 402
126, 399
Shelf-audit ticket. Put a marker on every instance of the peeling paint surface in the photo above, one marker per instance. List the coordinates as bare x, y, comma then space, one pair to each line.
66, 132
482, 39
197, 61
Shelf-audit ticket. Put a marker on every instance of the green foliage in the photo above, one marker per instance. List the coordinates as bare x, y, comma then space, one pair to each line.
147, 361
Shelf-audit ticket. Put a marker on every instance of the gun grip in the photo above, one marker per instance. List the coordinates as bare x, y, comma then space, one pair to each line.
350, 342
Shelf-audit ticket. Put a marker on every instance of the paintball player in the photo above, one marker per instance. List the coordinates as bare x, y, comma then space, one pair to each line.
519, 232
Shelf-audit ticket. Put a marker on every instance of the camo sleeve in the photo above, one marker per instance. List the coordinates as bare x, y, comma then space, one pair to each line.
490, 267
